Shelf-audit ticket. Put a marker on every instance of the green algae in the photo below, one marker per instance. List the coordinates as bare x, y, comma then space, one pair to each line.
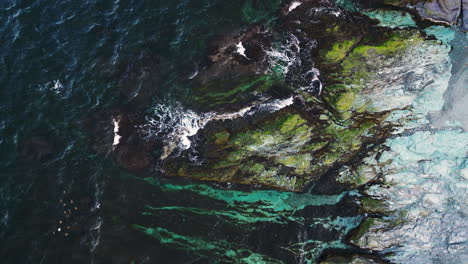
363, 229
356, 67
370, 204
231, 91
360, 66
339, 51
301, 162
290, 123
348, 138
344, 101
285, 152
221, 137
357, 177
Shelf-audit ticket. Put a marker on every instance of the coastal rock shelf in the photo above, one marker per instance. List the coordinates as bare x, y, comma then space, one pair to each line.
320, 97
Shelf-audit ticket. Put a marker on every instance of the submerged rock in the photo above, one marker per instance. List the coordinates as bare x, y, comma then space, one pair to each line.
115, 135
37, 148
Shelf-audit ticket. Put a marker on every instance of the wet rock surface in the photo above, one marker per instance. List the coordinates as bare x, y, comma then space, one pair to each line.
340, 98
325, 128
315, 95
235, 71
438, 11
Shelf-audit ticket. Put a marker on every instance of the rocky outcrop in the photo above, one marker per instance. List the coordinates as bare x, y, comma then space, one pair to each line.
116, 136
235, 72
285, 150
438, 11
285, 128
291, 148
445, 11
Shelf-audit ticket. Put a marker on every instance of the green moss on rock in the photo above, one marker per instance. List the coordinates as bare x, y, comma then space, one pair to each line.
363, 229
233, 91
221, 137
339, 51
284, 151
357, 70
373, 205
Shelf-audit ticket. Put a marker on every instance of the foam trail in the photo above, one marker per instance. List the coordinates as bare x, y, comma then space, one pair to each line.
287, 55
117, 137
293, 6
179, 124
241, 49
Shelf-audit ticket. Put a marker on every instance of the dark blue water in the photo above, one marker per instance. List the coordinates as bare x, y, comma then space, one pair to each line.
60, 202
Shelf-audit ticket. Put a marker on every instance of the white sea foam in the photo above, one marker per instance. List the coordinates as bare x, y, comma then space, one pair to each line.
117, 137
56, 86
283, 57
313, 77
241, 49
177, 124
293, 6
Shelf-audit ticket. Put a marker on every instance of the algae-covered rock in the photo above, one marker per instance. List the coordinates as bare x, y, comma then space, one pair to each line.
366, 67
356, 177
287, 150
380, 233
236, 68
384, 72
373, 205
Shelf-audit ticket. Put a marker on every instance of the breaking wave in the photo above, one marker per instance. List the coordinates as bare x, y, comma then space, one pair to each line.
175, 124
